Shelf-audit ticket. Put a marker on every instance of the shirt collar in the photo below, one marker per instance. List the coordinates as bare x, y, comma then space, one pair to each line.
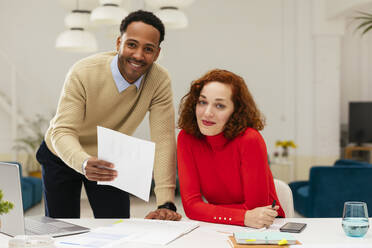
120, 81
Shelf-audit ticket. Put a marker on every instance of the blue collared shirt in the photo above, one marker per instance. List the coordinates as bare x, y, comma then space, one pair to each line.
120, 81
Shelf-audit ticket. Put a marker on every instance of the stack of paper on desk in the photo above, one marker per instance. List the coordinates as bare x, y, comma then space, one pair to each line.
279, 238
154, 232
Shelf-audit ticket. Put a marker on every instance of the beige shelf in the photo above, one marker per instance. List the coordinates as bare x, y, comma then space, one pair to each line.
283, 170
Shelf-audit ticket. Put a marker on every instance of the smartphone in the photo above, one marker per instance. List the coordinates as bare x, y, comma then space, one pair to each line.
293, 227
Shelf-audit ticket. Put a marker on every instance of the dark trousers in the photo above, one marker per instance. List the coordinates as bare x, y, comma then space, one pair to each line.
62, 191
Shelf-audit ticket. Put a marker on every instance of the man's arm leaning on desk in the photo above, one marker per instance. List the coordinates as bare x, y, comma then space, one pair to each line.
162, 127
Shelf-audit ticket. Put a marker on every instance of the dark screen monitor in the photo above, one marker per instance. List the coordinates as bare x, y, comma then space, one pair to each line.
360, 122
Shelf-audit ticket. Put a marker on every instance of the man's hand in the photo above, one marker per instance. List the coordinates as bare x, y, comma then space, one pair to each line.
163, 214
100, 170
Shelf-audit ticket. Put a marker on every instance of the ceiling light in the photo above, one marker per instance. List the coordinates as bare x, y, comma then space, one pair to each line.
170, 12
109, 13
172, 17
176, 3
77, 18
77, 39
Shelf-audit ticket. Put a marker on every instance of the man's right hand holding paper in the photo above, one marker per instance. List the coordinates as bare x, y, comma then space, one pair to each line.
99, 170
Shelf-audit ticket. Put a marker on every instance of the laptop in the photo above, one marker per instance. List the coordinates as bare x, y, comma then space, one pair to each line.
13, 223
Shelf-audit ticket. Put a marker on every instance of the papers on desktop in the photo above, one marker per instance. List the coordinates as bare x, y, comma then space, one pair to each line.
157, 232
141, 231
92, 239
133, 159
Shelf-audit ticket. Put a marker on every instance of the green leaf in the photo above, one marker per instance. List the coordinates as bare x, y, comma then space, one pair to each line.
364, 13
31, 134
362, 18
366, 21
364, 24
5, 206
367, 29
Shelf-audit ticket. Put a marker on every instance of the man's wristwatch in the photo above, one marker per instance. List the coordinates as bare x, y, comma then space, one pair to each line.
168, 205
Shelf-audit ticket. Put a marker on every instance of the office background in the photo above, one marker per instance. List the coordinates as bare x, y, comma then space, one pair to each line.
301, 59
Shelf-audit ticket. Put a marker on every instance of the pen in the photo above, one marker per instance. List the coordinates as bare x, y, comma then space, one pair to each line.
272, 206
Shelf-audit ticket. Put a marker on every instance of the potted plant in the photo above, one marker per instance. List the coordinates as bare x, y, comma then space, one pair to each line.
32, 133
5, 206
284, 145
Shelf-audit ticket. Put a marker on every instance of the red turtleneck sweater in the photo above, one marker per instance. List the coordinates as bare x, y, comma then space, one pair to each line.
233, 176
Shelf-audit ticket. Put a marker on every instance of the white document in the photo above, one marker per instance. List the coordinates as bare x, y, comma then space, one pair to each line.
130, 233
154, 232
93, 239
133, 159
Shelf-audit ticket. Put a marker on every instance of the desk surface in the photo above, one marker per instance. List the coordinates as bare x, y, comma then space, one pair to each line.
319, 231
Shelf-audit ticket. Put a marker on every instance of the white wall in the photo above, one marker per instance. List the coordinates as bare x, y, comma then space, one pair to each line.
273, 44
342, 8
356, 75
236, 36
28, 33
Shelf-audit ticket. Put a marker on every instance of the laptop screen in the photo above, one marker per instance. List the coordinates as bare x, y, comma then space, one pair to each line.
12, 223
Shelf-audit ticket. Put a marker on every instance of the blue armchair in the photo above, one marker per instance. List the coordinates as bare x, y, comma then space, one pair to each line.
31, 189
330, 186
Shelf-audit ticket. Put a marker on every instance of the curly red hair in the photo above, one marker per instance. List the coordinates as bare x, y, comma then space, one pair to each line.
246, 113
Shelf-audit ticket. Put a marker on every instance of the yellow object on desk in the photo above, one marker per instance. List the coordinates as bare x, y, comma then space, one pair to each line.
283, 242
266, 237
233, 244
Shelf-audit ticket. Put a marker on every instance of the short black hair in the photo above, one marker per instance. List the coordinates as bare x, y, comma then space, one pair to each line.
145, 17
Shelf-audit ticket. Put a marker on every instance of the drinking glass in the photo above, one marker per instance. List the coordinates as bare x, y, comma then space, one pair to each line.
355, 219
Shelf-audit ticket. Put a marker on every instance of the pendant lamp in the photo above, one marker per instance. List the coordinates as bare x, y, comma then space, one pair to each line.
175, 3
172, 17
108, 13
76, 38
170, 12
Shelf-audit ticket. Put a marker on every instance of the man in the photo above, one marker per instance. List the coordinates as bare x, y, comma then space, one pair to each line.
114, 90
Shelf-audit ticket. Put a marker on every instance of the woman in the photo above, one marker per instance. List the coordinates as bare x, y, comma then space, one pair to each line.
222, 156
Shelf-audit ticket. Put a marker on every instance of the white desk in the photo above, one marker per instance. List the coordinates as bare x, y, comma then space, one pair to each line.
319, 231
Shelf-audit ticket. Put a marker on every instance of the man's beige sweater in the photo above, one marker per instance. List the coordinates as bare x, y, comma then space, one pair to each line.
90, 98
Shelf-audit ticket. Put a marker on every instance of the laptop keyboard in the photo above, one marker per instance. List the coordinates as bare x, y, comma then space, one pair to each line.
36, 227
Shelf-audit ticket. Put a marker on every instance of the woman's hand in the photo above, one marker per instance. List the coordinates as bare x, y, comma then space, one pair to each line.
260, 217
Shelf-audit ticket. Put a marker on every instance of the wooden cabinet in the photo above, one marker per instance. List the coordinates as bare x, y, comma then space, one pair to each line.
350, 149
